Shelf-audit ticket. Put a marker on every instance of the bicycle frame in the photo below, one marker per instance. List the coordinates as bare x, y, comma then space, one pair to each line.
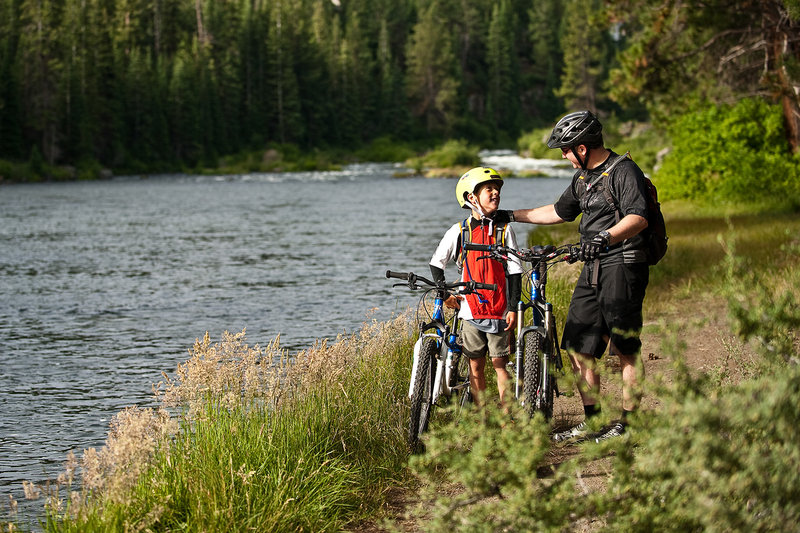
446, 335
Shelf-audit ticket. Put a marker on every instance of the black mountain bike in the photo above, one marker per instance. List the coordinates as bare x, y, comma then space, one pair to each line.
537, 354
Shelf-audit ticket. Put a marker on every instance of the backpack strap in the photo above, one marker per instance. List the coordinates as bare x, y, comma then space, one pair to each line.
466, 237
613, 202
607, 190
463, 239
500, 234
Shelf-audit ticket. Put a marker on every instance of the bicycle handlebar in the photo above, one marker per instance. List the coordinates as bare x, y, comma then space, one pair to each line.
414, 280
531, 255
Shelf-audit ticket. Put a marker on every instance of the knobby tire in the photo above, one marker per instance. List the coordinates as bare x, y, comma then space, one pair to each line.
421, 396
535, 399
464, 395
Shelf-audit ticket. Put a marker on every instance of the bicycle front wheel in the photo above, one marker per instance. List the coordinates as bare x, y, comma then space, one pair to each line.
422, 394
537, 397
463, 392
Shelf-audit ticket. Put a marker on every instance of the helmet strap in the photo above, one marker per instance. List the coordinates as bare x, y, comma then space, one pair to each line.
583, 162
476, 206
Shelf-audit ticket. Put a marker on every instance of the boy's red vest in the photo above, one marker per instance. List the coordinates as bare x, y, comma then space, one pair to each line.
485, 304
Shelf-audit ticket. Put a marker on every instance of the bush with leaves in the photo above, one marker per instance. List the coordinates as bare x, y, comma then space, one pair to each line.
714, 456
453, 153
730, 154
711, 460
721, 458
497, 459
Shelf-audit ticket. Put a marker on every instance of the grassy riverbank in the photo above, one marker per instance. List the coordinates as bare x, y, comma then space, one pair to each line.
253, 438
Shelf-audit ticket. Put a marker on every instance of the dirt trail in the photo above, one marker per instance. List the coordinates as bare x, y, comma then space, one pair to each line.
708, 340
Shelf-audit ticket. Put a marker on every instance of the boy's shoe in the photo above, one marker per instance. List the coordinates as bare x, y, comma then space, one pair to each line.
577, 432
616, 429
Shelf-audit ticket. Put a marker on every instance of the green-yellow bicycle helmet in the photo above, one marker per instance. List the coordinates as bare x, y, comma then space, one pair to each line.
469, 182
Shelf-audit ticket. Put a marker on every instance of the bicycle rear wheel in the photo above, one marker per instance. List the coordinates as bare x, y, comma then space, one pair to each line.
422, 394
537, 397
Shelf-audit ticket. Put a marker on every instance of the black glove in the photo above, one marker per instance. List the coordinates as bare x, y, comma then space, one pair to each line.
503, 216
591, 250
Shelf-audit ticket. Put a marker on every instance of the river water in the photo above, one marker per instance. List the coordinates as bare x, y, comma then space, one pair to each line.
107, 284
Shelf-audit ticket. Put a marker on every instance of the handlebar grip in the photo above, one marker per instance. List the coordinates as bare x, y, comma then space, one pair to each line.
486, 286
478, 247
398, 275
572, 255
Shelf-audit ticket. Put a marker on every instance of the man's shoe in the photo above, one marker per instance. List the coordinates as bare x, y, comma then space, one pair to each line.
576, 432
616, 429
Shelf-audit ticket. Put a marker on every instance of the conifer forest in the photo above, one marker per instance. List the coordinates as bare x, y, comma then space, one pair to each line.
158, 84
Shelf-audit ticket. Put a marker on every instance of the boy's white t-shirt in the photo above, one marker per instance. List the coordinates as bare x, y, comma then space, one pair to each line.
447, 251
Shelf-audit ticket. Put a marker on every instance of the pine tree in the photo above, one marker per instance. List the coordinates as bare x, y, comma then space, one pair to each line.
503, 90
585, 47
40, 60
392, 109
287, 118
545, 61
10, 114
253, 77
431, 76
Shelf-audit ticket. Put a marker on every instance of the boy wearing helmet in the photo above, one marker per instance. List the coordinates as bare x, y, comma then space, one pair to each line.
488, 316
606, 306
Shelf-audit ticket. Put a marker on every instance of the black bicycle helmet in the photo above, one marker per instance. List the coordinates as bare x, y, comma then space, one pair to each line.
581, 127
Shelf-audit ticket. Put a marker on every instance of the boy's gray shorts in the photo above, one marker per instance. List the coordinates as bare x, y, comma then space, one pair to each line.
475, 342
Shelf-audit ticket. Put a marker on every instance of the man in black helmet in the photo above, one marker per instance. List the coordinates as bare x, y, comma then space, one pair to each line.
606, 306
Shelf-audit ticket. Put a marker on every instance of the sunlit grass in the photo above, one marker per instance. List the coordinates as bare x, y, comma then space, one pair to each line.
255, 440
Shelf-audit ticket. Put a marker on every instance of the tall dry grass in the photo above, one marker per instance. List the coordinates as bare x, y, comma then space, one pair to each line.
246, 437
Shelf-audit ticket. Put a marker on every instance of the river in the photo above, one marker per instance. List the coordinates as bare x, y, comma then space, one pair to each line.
107, 284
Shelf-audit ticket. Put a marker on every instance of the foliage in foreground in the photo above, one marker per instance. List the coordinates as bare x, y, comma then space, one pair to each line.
715, 456
261, 441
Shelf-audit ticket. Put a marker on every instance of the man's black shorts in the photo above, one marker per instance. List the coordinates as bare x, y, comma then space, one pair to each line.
613, 308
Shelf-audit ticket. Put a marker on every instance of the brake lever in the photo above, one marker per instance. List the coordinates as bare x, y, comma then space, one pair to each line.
495, 256
572, 255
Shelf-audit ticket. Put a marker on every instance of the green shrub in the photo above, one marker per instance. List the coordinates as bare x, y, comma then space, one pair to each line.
385, 149
533, 144
453, 153
713, 460
722, 458
10, 171
730, 154
497, 460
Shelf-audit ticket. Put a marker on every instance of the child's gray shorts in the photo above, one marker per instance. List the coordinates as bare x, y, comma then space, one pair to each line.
475, 342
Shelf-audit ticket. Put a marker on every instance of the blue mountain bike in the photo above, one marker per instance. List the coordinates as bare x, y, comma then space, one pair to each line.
438, 371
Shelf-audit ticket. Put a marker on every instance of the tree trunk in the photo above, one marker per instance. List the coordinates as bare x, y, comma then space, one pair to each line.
785, 48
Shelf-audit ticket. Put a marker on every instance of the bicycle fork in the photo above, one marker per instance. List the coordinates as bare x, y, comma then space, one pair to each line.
544, 325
